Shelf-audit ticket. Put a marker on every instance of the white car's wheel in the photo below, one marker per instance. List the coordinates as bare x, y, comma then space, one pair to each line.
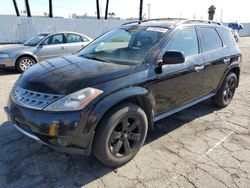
24, 63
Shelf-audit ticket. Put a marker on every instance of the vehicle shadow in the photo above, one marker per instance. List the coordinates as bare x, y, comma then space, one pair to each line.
8, 71
27, 163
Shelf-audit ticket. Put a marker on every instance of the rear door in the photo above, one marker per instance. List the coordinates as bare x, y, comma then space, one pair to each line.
53, 46
215, 55
180, 83
75, 42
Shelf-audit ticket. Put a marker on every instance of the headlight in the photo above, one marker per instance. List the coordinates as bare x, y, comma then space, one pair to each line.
75, 101
4, 56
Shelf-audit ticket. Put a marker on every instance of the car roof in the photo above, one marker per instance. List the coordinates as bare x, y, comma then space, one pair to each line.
53, 33
171, 22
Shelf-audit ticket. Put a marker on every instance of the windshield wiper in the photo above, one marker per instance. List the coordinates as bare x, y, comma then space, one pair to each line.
97, 59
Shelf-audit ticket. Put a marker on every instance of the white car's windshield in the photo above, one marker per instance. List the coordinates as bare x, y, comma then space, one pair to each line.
35, 40
124, 45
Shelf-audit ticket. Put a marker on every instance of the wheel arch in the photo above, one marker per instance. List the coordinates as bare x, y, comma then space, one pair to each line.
25, 55
235, 69
136, 95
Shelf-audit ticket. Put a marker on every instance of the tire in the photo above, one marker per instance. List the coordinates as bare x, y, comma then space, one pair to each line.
226, 91
120, 135
24, 63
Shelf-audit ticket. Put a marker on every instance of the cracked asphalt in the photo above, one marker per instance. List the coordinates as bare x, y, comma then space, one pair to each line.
202, 146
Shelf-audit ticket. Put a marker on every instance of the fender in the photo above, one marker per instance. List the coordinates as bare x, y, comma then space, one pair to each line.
26, 54
108, 102
235, 64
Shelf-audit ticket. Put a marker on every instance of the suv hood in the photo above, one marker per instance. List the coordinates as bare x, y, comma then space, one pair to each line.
68, 74
13, 48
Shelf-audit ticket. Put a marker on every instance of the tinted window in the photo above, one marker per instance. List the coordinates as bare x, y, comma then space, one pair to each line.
72, 38
54, 39
226, 36
184, 41
211, 39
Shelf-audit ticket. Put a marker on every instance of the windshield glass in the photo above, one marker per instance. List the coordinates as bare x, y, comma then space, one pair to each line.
35, 40
124, 45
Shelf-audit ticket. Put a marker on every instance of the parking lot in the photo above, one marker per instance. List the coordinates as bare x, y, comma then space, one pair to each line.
202, 146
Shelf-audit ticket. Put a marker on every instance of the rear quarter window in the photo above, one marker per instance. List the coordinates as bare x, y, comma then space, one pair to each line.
226, 36
210, 39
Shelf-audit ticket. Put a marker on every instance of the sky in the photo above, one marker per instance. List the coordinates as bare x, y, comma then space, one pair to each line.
228, 10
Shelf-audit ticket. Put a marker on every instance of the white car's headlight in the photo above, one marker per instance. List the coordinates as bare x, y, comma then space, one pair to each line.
75, 101
4, 56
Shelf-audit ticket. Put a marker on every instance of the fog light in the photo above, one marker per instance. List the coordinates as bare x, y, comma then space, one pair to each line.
61, 142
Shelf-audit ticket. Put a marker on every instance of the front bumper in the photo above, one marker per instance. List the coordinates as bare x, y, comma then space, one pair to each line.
6, 62
65, 131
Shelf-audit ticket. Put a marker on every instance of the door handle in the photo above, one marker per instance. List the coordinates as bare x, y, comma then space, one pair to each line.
227, 60
62, 48
197, 69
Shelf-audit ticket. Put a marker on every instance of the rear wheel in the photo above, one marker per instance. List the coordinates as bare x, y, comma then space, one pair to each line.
226, 91
24, 63
120, 135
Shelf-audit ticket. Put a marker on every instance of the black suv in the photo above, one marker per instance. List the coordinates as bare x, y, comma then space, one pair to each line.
104, 99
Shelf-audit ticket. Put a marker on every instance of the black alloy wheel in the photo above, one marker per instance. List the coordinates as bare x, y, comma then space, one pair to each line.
229, 89
120, 134
226, 91
125, 136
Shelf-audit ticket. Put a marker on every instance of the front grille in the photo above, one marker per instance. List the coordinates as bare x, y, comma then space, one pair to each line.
32, 99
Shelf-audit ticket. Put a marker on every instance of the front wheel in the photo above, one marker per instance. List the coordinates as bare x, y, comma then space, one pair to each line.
226, 91
120, 135
24, 63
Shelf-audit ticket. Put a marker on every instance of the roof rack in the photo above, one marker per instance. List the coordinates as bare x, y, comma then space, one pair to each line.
136, 21
198, 21
155, 19
179, 21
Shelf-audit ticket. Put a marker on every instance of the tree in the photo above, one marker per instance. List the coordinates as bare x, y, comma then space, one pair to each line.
97, 9
111, 14
211, 12
140, 9
50, 9
107, 9
16, 8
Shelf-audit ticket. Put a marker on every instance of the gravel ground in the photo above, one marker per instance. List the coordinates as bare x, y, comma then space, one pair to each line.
202, 146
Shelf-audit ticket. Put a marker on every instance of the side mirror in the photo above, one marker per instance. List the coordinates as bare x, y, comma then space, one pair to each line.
172, 57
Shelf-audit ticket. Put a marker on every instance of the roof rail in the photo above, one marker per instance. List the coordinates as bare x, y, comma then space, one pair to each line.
199, 21
178, 21
155, 19
135, 21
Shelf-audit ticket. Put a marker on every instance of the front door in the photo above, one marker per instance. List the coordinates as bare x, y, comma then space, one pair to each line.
51, 47
180, 83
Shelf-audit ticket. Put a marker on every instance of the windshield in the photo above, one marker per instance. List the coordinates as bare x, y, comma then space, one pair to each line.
35, 40
124, 45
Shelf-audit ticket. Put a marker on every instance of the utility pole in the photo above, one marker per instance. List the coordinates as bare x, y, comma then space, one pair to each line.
140, 10
50, 9
149, 10
27, 8
16, 8
107, 9
97, 9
